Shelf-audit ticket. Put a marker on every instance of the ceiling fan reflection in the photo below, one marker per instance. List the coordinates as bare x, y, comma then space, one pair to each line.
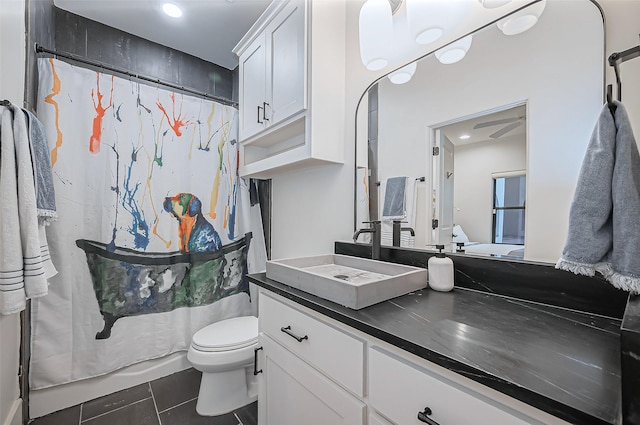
512, 124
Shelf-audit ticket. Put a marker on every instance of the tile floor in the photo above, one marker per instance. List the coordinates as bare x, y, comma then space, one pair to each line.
166, 401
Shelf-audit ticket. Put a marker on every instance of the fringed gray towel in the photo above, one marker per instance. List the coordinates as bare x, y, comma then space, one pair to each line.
604, 220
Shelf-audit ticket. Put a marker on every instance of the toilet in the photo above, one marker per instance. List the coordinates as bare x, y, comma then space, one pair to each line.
224, 352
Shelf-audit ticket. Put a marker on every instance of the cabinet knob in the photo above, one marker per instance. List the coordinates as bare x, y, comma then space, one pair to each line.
424, 417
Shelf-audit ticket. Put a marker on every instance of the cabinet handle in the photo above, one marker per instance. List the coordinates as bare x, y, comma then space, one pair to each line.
264, 111
424, 417
260, 107
287, 330
255, 361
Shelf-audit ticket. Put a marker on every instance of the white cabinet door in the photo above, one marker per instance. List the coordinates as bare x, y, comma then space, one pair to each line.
377, 420
253, 79
286, 65
294, 393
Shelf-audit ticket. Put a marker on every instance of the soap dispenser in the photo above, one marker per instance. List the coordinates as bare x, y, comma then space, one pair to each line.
440, 271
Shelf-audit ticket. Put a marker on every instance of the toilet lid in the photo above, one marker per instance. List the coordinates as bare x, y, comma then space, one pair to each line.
229, 334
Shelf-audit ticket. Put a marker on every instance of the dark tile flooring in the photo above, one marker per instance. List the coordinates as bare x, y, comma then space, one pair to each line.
166, 401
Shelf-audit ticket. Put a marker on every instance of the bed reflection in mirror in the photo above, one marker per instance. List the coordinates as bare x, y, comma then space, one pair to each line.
527, 103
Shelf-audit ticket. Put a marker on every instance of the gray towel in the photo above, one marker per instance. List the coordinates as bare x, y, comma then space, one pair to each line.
604, 224
394, 198
45, 193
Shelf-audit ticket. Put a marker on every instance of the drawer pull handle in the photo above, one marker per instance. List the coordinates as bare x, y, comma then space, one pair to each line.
424, 417
287, 330
260, 122
264, 111
255, 361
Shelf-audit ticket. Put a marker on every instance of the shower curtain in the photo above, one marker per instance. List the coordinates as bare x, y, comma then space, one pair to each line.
156, 231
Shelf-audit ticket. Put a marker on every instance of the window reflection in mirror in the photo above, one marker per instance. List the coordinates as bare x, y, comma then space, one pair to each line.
508, 209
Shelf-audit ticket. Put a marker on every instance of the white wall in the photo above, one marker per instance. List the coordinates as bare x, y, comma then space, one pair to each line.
473, 184
12, 68
623, 27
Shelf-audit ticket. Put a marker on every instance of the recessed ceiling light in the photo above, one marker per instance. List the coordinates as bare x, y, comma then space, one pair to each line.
172, 10
464, 137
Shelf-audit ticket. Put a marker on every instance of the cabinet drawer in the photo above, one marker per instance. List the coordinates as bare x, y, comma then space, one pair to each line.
400, 390
338, 354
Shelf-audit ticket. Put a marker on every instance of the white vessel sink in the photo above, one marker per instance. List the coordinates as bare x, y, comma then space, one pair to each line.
349, 281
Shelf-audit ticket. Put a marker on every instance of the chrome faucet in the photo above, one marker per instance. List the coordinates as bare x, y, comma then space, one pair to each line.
397, 228
376, 235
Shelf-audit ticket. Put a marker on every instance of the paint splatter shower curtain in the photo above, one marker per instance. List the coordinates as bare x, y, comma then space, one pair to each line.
156, 232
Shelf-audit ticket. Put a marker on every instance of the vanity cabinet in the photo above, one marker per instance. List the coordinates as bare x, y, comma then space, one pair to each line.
292, 40
316, 370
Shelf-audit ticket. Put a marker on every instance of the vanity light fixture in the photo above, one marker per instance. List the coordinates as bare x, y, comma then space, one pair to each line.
376, 33
522, 20
492, 4
172, 10
454, 52
404, 74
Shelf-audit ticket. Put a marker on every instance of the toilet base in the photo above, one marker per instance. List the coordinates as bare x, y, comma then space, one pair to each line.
224, 392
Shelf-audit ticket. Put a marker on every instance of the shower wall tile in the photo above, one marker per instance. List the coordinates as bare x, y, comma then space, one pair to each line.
110, 46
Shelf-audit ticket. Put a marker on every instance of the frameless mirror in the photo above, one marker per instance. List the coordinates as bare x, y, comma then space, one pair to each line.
488, 148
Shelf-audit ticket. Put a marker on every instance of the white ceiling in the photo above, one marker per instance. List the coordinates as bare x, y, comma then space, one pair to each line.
496, 121
208, 29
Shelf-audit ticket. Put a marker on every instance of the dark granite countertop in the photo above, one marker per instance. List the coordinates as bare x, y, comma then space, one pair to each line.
564, 362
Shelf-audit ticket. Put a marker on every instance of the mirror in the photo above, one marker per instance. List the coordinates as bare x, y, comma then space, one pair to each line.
533, 99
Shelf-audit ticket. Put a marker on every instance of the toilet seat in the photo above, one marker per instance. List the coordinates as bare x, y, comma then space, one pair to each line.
227, 335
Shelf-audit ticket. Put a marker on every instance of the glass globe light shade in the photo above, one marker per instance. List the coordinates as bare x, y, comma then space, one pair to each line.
492, 4
404, 74
454, 52
430, 19
376, 33
523, 20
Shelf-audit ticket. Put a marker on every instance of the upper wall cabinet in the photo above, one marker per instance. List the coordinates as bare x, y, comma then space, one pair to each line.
277, 58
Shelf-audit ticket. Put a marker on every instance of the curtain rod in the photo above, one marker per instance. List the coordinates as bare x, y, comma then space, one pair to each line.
40, 49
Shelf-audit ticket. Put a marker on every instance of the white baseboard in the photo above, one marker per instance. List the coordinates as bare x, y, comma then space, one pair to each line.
49, 400
15, 413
